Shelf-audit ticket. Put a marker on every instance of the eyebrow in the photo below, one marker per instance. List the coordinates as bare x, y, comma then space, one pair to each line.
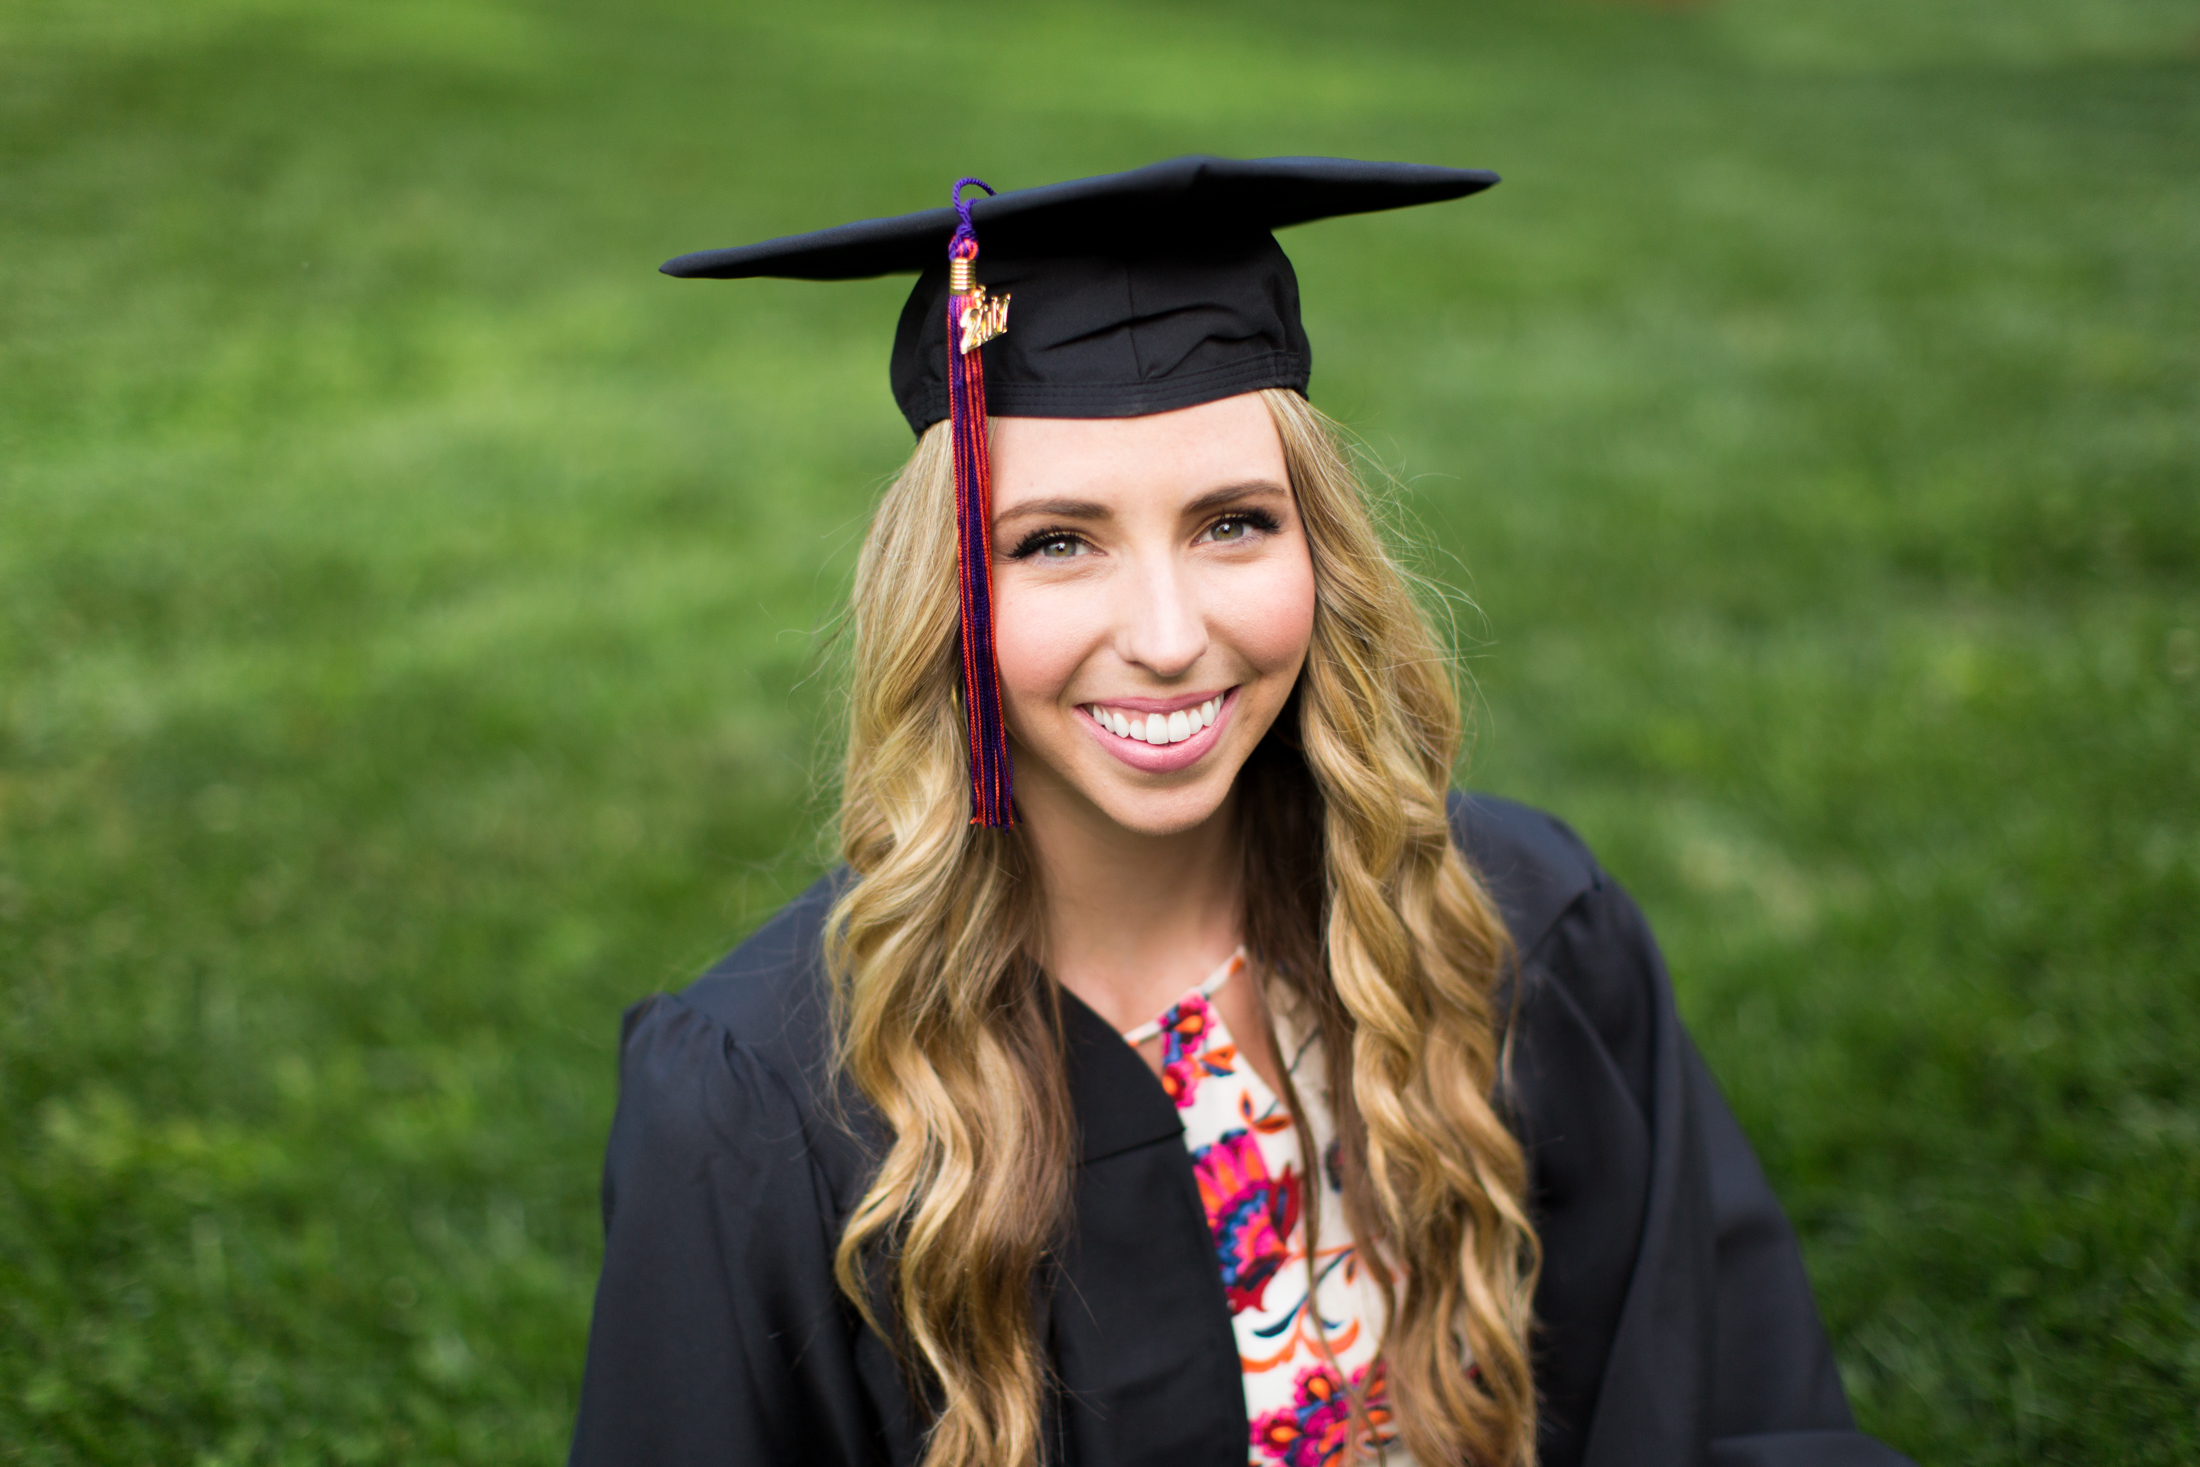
1089, 509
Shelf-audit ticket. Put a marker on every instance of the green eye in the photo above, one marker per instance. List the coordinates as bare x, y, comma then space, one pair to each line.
1061, 547
1240, 525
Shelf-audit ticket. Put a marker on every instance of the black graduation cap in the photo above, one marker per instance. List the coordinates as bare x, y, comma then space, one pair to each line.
1132, 293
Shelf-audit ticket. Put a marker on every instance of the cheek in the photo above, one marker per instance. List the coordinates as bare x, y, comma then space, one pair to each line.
1040, 638
1269, 613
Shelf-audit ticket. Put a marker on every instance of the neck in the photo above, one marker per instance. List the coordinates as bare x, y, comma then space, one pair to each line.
1132, 920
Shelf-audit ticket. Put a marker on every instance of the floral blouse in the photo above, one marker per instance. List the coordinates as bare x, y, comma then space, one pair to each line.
1252, 1181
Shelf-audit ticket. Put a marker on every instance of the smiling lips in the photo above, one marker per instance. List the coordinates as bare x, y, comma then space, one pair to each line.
1156, 728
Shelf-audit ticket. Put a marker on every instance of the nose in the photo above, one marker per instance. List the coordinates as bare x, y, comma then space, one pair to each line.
1162, 627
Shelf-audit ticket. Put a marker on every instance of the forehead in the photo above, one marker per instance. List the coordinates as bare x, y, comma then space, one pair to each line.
1192, 450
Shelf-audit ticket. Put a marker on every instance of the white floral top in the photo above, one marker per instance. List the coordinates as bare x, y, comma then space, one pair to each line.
1252, 1181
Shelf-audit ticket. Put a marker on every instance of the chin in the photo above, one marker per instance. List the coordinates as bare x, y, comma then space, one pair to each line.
1162, 812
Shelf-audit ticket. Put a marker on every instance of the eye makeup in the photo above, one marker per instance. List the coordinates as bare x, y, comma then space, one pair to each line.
1038, 540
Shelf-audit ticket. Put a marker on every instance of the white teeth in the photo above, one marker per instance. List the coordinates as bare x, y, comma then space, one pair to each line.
1157, 728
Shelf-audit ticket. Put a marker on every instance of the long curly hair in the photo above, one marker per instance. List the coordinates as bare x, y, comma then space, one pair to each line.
1357, 903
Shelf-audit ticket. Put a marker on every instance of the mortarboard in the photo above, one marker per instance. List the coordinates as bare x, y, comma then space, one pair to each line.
1137, 292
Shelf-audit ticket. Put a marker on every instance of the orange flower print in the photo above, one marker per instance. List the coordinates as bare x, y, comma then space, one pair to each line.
1315, 1428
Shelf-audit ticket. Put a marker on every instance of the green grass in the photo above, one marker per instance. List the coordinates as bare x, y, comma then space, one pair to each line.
407, 605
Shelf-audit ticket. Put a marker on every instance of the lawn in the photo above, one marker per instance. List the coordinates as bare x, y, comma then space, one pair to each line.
410, 612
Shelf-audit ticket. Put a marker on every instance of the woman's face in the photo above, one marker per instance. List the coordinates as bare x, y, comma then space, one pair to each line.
1153, 598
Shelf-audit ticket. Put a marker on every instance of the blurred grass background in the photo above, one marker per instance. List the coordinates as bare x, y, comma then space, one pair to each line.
407, 612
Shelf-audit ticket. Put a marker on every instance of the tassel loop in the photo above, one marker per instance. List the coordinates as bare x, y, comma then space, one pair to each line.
972, 319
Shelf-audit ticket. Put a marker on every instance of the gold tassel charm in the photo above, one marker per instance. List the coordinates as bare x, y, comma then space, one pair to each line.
983, 316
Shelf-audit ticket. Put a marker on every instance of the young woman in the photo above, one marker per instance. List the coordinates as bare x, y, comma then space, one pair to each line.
1204, 1082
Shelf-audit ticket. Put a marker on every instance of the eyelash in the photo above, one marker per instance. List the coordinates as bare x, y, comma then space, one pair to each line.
1037, 540
1257, 519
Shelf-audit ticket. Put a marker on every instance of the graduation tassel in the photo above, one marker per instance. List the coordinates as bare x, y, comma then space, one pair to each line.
974, 318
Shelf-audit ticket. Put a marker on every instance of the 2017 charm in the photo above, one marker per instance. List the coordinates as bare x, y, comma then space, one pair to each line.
983, 318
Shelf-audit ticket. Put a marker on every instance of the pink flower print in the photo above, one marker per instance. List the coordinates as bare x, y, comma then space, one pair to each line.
1313, 1430
1185, 1057
1250, 1213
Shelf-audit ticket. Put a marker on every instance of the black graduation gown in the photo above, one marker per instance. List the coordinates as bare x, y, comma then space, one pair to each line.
1675, 1323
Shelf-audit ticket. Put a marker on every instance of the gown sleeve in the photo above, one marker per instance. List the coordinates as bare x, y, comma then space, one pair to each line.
1676, 1320
1777, 1398
718, 1335
1719, 1263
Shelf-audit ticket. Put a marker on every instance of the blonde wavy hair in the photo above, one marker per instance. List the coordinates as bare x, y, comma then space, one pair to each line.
1358, 903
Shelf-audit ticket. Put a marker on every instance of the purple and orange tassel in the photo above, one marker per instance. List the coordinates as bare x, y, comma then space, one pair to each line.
973, 319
